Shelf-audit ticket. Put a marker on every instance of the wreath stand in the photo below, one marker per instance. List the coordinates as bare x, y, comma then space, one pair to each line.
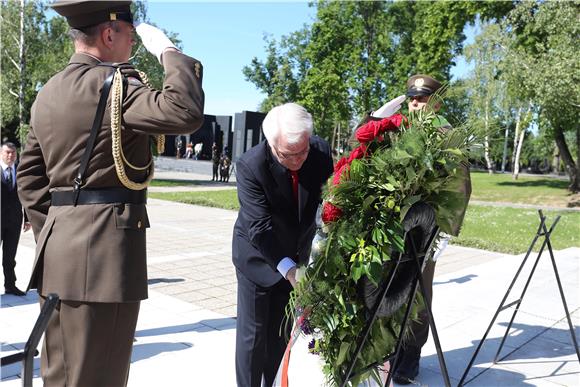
27, 356
412, 253
545, 233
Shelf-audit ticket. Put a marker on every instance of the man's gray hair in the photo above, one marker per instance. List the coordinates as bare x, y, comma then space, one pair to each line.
290, 119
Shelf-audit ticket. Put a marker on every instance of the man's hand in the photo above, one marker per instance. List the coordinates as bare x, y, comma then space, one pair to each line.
26, 226
291, 276
154, 40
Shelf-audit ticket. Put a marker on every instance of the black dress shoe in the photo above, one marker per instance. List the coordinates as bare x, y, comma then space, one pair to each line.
15, 291
402, 379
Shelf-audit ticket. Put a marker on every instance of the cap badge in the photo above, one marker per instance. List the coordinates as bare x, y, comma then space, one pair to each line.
419, 82
112, 16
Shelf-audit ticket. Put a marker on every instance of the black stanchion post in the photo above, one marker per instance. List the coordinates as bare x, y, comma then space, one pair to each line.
37, 332
570, 325
546, 233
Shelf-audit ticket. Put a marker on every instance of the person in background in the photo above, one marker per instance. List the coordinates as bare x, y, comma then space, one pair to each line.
279, 189
85, 202
12, 216
225, 164
215, 161
188, 151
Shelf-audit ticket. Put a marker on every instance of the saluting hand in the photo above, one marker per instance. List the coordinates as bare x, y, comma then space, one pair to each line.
154, 39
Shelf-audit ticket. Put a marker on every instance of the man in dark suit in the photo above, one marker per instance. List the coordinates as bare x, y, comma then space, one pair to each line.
11, 218
279, 188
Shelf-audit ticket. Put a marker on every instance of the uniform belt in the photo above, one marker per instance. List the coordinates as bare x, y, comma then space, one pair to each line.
99, 196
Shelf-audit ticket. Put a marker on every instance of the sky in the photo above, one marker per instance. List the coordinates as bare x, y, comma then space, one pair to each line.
225, 36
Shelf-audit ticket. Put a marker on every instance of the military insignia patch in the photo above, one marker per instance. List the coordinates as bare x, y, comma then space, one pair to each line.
197, 69
419, 82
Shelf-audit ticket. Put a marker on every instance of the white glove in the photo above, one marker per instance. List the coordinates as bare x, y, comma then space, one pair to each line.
390, 107
154, 40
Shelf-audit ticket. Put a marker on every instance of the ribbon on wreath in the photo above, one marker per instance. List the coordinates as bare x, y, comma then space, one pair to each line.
293, 337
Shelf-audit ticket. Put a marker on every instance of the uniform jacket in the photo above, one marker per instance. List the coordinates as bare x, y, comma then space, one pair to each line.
96, 253
270, 226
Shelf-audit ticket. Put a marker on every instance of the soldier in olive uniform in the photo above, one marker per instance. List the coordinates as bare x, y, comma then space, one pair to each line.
420, 89
87, 203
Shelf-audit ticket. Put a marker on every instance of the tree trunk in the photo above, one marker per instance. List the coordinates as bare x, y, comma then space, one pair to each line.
333, 143
566, 155
338, 141
505, 148
518, 152
22, 67
556, 160
516, 137
486, 140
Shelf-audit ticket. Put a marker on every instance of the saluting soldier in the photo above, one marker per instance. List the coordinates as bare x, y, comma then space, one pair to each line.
83, 178
421, 93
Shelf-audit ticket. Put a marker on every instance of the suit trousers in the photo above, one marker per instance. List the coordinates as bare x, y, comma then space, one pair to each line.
411, 350
10, 237
89, 344
262, 332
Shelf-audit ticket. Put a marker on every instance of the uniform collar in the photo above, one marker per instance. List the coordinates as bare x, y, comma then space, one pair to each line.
84, 58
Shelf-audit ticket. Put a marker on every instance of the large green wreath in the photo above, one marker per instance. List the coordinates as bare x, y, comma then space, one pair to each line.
400, 161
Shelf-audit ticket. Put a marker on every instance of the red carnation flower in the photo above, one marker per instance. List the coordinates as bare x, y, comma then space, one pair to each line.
338, 174
357, 153
340, 163
330, 213
373, 129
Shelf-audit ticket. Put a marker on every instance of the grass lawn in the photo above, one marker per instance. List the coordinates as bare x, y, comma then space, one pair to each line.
227, 198
502, 229
539, 190
176, 183
511, 230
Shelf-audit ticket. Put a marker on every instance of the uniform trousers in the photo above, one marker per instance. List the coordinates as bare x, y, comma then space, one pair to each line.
262, 332
10, 237
88, 344
411, 351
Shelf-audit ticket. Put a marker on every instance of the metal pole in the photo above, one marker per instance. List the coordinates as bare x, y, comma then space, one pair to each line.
562, 294
500, 307
37, 332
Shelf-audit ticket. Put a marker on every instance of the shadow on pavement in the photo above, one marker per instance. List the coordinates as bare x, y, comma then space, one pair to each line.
153, 281
148, 350
460, 280
9, 300
519, 345
193, 327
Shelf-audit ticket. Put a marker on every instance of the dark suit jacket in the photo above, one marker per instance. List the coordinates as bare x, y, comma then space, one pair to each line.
270, 226
11, 207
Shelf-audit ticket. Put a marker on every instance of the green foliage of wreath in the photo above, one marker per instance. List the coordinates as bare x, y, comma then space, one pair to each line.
420, 162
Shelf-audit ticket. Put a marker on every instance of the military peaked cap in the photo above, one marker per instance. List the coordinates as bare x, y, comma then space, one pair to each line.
86, 13
420, 84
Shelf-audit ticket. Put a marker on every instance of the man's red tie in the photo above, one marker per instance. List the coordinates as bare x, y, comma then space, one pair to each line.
294, 176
